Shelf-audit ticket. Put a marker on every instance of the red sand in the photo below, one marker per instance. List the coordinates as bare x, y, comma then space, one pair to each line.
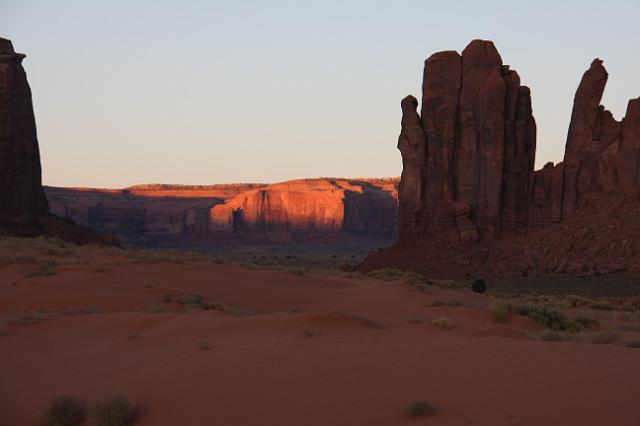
262, 370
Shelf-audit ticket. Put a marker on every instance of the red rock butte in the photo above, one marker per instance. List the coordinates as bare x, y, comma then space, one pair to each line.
468, 158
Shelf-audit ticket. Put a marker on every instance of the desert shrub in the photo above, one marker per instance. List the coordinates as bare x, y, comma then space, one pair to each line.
4, 330
112, 411
309, 331
479, 286
371, 322
301, 272
398, 274
633, 306
438, 303
204, 346
603, 337
549, 336
445, 323
587, 322
603, 306
154, 308
420, 408
193, 301
548, 317
64, 410
500, 310
25, 317
89, 310
43, 270
633, 344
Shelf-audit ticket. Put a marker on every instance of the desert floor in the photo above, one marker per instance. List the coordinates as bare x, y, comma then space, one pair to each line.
195, 341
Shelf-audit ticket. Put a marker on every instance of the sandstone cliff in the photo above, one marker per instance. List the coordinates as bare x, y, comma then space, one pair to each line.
469, 197
468, 158
22, 199
300, 210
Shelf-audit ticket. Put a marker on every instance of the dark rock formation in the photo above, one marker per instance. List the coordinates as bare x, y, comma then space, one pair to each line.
468, 162
22, 198
474, 180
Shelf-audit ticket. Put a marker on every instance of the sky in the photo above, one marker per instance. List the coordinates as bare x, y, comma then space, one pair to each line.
200, 92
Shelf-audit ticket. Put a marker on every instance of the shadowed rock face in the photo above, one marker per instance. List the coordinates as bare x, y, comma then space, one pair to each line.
22, 198
468, 161
469, 158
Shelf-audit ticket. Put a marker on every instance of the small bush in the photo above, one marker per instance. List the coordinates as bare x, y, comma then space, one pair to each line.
65, 410
603, 306
420, 408
112, 411
633, 344
444, 323
587, 322
479, 286
549, 336
500, 311
371, 322
309, 331
548, 317
89, 310
25, 317
415, 320
438, 303
154, 308
603, 337
204, 346
633, 306
43, 270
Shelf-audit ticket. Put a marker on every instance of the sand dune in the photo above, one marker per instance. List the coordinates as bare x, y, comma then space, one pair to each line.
285, 348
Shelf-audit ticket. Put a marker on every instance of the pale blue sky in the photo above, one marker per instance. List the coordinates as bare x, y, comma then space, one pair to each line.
141, 91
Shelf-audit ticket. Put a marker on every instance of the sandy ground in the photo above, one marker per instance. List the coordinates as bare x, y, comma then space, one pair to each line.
285, 348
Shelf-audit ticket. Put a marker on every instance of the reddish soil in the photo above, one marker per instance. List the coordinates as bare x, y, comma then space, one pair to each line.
261, 369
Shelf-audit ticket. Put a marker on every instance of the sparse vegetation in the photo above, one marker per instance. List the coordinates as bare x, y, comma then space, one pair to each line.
64, 410
25, 317
371, 322
43, 270
444, 323
500, 310
420, 408
204, 346
309, 331
415, 279
587, 322
89, 310
549, 336
438, 303
633, 344
548, 317
193, 301
603, 337
112, 411
154, 308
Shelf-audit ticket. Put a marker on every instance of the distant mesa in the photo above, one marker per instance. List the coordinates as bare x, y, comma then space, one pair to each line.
322, 209
468, 176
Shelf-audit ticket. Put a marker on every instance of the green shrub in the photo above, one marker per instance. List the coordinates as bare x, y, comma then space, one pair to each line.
420, 408
500, 310
64, 410
548, 317
112, 411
